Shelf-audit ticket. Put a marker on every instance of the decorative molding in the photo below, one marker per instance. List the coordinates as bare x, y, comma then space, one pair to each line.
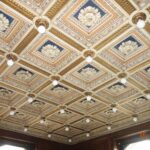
2, 53
12, 88
43, 86
103, 85
112, 37
148, 9
73, 86
34, 68
3, 66
66, 39
132, 81
139, 66
74, 100
126, 5
58, 5
75, 63
25, 42
19, 8
104, 63
147, 27
115, 45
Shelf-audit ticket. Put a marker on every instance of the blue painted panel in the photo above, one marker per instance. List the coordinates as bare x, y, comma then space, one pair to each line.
88, 66
130, 38
48, 42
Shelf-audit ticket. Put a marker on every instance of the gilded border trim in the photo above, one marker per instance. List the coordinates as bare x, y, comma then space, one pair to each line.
148, 9
147, 27
34, 68
74, 100
133, 82
112, 37
103, 85
66, 39
2, 53
56, 8
126, 5
26, 41
43, 86
19, 8
139, 66
107, 65
3, 66
12, 88
75, 63
73, 86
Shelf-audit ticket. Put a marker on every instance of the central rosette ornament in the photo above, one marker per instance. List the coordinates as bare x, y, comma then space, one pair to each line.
51, 51
89, 16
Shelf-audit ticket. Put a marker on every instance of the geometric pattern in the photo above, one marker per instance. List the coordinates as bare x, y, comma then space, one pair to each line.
50, 53
75, 28
37, 6
128, 52
89, 75
88, 18
14, 28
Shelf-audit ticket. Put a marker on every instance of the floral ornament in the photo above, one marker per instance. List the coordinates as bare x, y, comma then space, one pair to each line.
140, 100
19, 115
37, 103
60, 90
4, 23
4, 92
117, 87
128, 47
88, 72
51, 51
89, 16
23, 74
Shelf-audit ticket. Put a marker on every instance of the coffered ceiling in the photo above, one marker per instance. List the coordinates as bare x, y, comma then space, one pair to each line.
102, 29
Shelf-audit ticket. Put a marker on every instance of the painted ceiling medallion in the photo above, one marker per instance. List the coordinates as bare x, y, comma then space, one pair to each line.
23, 74
4, 22
128, 47
117, 87
89, 16
4, 92
51, 51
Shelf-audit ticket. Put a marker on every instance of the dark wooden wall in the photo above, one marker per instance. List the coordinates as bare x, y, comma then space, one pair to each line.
97, 144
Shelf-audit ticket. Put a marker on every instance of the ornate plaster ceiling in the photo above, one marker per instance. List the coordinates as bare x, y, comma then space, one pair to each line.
76, 28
